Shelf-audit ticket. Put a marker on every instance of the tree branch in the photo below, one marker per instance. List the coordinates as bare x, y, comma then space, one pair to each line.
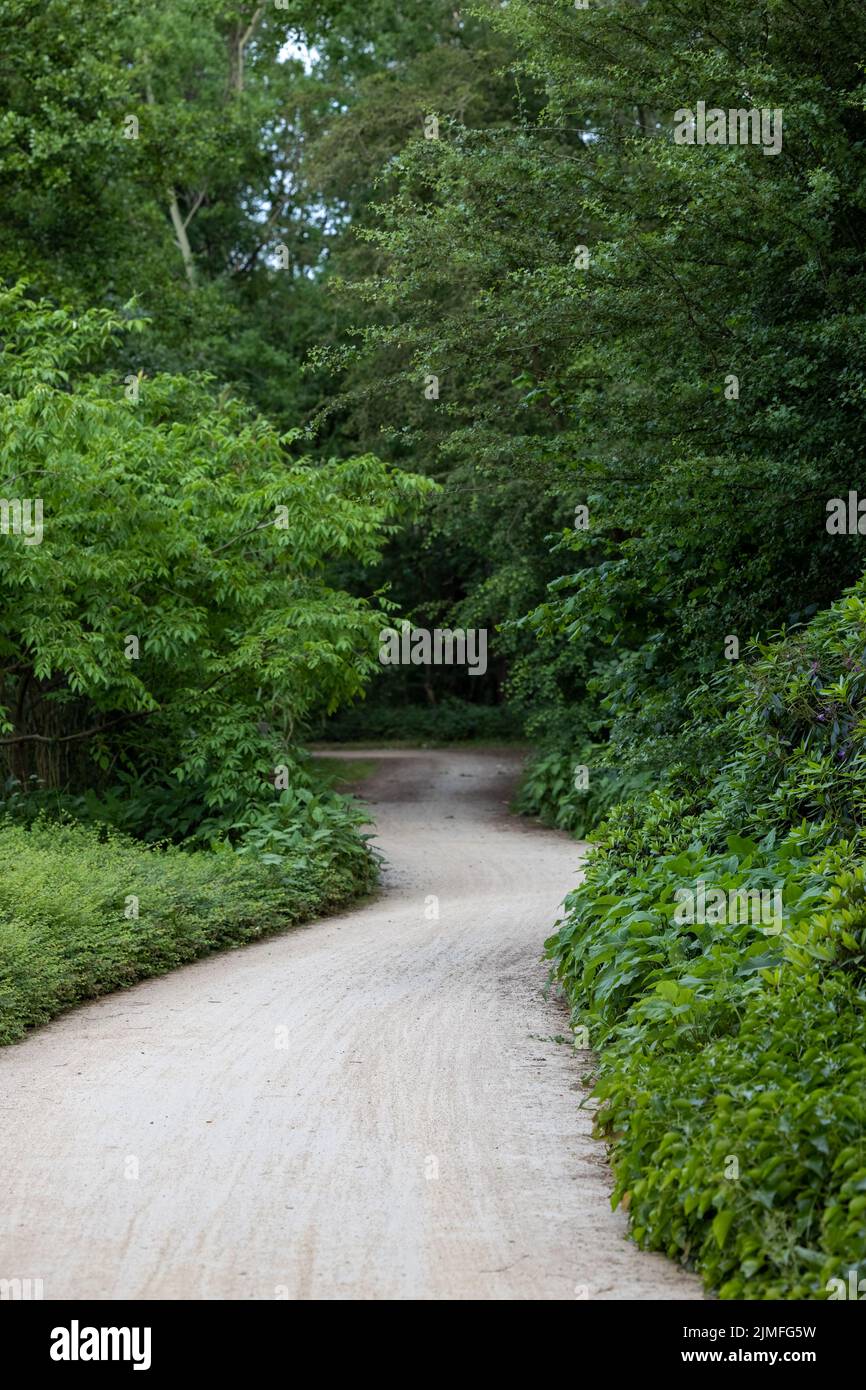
237, 65
197, 202
84, 733
174, 209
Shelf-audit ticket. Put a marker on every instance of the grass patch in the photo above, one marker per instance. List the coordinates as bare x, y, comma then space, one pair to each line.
340, 773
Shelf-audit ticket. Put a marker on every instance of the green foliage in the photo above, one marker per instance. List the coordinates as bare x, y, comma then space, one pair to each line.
736, 1039
93, 217
182, 524
605, 386
550, 790
451, 720
783, 1095
307, 817
281, 197
66, 889
305, 827
223, 214
732, 1072
796, 728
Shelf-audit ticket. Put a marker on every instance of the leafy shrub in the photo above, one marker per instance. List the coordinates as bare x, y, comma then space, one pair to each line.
733, 1063
306, 827
732, 1074
154, 811
306, 820
548, 790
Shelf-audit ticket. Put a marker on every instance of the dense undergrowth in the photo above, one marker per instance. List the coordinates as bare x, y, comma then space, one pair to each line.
85, 909
732, 1073
574, 794
451, 720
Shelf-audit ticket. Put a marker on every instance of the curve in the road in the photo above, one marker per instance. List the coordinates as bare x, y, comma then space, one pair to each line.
372, 1106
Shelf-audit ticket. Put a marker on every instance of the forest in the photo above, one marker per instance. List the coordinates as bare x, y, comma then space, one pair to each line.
325, 320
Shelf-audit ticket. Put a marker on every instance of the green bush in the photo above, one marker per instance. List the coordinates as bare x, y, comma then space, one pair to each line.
307, 826
733, 1056
66, 889
549, 789
732, 1072
308, 816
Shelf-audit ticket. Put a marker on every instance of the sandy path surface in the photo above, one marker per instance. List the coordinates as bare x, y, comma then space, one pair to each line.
372, 1106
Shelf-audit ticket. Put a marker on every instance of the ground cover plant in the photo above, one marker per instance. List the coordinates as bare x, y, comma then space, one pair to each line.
85, 909
733, 1049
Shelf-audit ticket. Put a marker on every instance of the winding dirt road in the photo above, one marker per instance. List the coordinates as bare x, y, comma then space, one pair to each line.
372, 1106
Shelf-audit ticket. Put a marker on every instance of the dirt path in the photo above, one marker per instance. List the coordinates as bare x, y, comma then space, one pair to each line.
368, 1107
